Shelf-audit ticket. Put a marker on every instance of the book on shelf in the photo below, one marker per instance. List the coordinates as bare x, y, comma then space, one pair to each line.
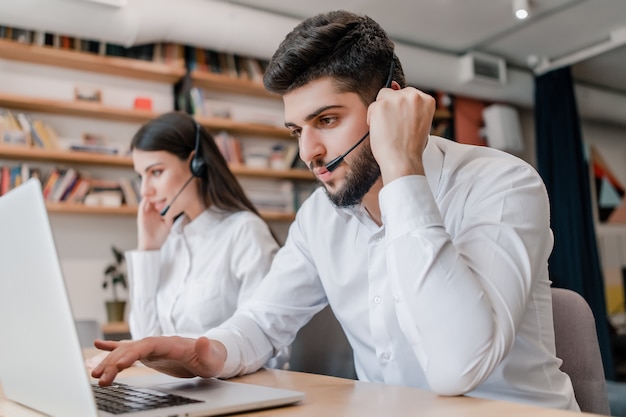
22, 35
12, 131
213, 62
12, 176
131, 198
94, 143
291, 155
105, 193
101, 149
196, 96
271, 195
230, 147
63, 185
50, 182
78, 192
5, 180
255, 71
110, 198
46, 136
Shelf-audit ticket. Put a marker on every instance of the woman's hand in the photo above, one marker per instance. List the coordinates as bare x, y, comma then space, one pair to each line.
152, 228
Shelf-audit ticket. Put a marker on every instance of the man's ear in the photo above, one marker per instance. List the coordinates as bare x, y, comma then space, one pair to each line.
395, 86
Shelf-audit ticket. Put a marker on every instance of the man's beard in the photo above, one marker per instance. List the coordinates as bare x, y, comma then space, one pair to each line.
358, 181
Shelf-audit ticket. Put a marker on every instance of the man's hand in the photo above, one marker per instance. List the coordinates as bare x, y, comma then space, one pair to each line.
400, 122
176, 356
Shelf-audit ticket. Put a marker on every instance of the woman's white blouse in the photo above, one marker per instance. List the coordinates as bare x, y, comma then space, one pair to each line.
204, 270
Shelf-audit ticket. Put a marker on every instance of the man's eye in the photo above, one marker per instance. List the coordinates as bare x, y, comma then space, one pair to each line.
327, 121
296, 133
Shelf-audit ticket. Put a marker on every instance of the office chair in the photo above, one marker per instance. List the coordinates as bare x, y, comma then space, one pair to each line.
577, 346
321, 347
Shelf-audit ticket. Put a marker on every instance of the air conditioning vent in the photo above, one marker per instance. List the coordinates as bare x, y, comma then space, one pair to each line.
478, 67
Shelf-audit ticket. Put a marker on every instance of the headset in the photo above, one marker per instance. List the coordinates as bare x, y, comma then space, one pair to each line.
197, 165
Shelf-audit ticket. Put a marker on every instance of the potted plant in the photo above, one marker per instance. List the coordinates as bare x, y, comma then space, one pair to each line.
115, 275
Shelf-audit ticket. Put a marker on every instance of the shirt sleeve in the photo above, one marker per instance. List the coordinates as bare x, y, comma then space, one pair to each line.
459, 301
267, 324
143, 277
253, 251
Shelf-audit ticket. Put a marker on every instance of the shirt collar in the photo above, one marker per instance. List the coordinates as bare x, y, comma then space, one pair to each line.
205, 221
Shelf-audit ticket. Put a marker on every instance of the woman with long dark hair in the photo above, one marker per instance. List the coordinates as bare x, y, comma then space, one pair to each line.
202, 247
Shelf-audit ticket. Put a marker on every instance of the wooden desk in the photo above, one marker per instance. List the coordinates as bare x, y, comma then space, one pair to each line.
330, 396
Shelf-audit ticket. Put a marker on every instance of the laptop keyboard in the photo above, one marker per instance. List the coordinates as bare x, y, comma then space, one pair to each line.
121, 398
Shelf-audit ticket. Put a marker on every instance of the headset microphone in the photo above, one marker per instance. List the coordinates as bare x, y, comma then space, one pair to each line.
167, 208
197, 165
332, 165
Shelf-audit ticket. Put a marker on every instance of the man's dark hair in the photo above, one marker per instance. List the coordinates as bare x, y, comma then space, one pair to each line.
352, 49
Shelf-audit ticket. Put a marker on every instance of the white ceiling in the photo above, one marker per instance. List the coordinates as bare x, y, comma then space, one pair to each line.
555, 28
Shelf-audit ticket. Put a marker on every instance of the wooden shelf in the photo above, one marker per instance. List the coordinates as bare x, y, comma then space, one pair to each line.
15, 152
277, 216
219, 82
289, 174
61, 156
99, 111
221, 123
73, 208
75, 108
118, 66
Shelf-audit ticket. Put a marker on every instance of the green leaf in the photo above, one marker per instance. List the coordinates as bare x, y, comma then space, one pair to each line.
119, 256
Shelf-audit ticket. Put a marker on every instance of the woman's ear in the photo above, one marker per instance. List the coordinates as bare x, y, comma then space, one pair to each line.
395, 86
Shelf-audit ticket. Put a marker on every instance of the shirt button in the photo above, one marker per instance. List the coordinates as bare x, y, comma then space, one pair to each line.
385, 356
378, 238
377, 300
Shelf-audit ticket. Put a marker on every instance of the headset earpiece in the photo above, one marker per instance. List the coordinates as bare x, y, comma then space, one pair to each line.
197, 165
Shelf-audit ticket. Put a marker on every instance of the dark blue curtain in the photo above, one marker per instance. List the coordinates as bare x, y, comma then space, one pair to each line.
574, 263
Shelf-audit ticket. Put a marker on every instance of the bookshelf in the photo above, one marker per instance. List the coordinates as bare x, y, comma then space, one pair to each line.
24, 153
123, 67
136, 69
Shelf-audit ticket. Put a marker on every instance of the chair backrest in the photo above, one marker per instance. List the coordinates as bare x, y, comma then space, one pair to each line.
577, 346
321, 347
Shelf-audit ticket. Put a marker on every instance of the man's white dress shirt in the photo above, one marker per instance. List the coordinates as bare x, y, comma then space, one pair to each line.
451, 294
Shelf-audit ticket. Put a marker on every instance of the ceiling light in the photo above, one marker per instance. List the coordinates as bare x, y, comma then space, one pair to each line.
520, 9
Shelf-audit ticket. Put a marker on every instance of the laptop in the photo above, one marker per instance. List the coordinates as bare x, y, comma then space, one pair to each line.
41, 362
